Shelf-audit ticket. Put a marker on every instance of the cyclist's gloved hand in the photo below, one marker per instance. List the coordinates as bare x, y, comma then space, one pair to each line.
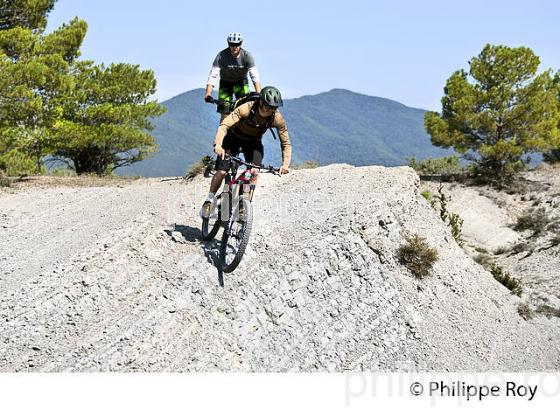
219, 151
284, 170
208, 99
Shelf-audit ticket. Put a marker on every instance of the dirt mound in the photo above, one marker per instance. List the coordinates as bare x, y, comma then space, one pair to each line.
116, 279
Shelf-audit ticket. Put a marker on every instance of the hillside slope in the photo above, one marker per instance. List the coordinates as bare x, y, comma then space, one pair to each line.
330, 127
491, 236
116, 279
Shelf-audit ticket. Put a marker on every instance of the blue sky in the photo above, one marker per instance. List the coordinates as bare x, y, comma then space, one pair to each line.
403, 50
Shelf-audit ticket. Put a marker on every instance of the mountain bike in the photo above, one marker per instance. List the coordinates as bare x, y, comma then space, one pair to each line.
234, 212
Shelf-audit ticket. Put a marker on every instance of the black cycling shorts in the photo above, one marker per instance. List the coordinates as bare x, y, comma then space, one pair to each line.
253, 150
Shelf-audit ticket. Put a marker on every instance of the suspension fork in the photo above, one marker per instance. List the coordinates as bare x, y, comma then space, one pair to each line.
251, 191
246, 188
227, 203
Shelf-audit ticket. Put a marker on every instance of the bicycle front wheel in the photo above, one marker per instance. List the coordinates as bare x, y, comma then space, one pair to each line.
211, 225
236, 236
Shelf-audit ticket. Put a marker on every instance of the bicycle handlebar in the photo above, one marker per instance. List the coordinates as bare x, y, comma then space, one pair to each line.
212, 100
267, 168
221, 103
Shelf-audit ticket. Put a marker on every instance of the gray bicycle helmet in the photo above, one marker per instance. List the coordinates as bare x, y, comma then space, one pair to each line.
271, 96
234, 38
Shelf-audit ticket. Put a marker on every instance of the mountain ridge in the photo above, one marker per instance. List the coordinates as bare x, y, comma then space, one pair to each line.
330, 127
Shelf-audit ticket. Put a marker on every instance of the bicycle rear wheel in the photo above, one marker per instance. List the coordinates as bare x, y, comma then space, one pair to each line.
211, 225
236, 236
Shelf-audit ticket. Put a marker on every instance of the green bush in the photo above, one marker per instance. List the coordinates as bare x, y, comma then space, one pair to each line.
204, 165
62, 172
453, 220
506, 279
16, 163
436, 166
417, 255
456, 225
427, 195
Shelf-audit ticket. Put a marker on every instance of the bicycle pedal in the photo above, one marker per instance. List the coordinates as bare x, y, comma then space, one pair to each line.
206, 210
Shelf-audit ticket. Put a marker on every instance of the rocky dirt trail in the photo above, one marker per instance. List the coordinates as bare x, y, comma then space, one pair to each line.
116, 279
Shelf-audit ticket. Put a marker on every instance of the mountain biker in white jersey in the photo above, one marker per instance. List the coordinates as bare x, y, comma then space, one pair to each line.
242, 130
232, 65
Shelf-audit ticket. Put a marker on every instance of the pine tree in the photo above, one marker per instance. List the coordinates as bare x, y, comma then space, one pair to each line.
553, 156
35, 79
30, 14
107, 118
505, 112
96, 118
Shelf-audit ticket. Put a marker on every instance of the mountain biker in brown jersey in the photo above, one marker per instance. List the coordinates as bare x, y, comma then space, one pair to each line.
242, 130
232, 66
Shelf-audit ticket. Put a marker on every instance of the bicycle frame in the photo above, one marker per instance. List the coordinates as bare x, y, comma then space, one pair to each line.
229, 202
240, 179
232, 179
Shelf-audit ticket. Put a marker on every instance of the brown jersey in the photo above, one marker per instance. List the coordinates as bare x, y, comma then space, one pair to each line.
242, 125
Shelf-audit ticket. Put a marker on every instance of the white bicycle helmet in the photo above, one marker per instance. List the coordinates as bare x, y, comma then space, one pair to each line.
234, 38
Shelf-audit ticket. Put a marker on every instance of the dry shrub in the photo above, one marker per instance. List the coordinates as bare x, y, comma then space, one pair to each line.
534, 220
525, 311
202, 166
309, 164
4, 181
418, 256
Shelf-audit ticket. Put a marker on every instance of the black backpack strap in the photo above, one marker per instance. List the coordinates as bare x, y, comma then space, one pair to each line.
252, 96
269, 125
253, 111
269, 122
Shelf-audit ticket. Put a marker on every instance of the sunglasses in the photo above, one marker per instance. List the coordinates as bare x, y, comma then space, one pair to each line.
232, 45
269, 107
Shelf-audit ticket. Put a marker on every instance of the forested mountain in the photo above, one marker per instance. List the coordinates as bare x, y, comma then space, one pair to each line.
334, 126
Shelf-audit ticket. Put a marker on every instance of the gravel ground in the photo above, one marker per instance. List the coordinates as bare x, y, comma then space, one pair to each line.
115, 278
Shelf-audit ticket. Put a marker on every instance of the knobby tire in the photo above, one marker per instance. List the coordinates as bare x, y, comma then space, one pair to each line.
210, 226
245, 224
